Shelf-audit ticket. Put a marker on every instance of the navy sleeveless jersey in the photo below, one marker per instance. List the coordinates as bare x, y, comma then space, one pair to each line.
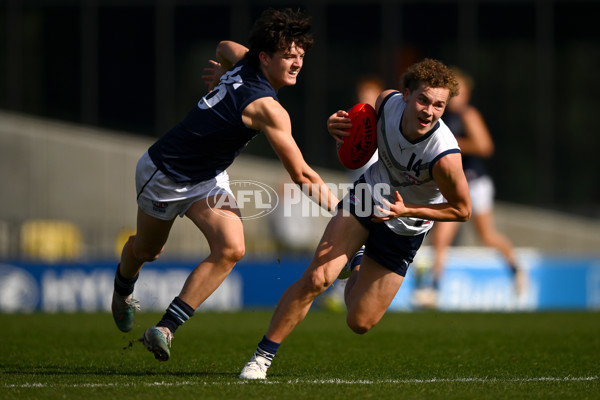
212, 134
473, 166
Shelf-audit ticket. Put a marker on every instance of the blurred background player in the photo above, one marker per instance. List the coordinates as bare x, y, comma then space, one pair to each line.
476, 144
184, 172
368, 89
420, 168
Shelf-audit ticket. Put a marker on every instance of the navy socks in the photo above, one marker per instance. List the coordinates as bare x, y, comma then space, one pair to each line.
177, 313
124, 286
267, 349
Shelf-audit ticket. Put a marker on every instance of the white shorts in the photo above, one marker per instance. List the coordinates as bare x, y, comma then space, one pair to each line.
481, 191
160, 197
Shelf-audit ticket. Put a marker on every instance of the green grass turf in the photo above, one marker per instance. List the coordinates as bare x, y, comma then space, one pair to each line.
408, 355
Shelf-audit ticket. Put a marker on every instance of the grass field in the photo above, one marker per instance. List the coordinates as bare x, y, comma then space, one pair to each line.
424, 355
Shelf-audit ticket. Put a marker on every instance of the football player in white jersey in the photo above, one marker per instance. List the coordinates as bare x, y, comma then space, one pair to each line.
417, 179
184, 172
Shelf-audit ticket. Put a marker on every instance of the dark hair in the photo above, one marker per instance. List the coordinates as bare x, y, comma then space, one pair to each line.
277, 30
432, 72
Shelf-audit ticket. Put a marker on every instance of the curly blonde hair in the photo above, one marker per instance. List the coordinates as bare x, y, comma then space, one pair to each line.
431, 72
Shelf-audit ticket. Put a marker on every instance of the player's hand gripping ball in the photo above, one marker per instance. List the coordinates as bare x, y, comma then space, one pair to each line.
360, 145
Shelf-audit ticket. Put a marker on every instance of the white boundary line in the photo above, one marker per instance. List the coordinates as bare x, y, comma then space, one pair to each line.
309, 381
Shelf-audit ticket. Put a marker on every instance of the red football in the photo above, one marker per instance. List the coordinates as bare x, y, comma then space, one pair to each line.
359, 147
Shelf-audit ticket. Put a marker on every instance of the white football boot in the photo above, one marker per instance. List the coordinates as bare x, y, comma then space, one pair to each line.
256, 368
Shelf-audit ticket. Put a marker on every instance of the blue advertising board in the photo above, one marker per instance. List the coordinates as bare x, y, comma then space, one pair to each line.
474, 279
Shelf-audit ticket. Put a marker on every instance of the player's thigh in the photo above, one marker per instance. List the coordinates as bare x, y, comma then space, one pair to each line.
372, 293
220, 220
484, 223
152, 233
444, 233
489, 235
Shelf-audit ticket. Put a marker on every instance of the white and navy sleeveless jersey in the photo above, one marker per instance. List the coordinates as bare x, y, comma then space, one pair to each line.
212, 134
407, 166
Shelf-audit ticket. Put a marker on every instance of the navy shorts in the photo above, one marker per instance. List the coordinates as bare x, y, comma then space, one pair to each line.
394, 252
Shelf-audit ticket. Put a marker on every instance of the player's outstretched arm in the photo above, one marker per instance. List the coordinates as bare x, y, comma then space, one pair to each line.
267, 115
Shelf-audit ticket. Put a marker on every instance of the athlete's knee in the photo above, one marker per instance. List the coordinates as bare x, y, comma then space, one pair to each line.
143, 255
313, 281
359, 325
319, 281
360, 322
231, 253
490, 238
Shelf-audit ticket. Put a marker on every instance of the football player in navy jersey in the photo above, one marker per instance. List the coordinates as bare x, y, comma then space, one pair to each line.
417, 179
184, 171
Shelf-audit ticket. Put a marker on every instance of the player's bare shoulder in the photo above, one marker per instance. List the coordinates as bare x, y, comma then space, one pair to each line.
263, 112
